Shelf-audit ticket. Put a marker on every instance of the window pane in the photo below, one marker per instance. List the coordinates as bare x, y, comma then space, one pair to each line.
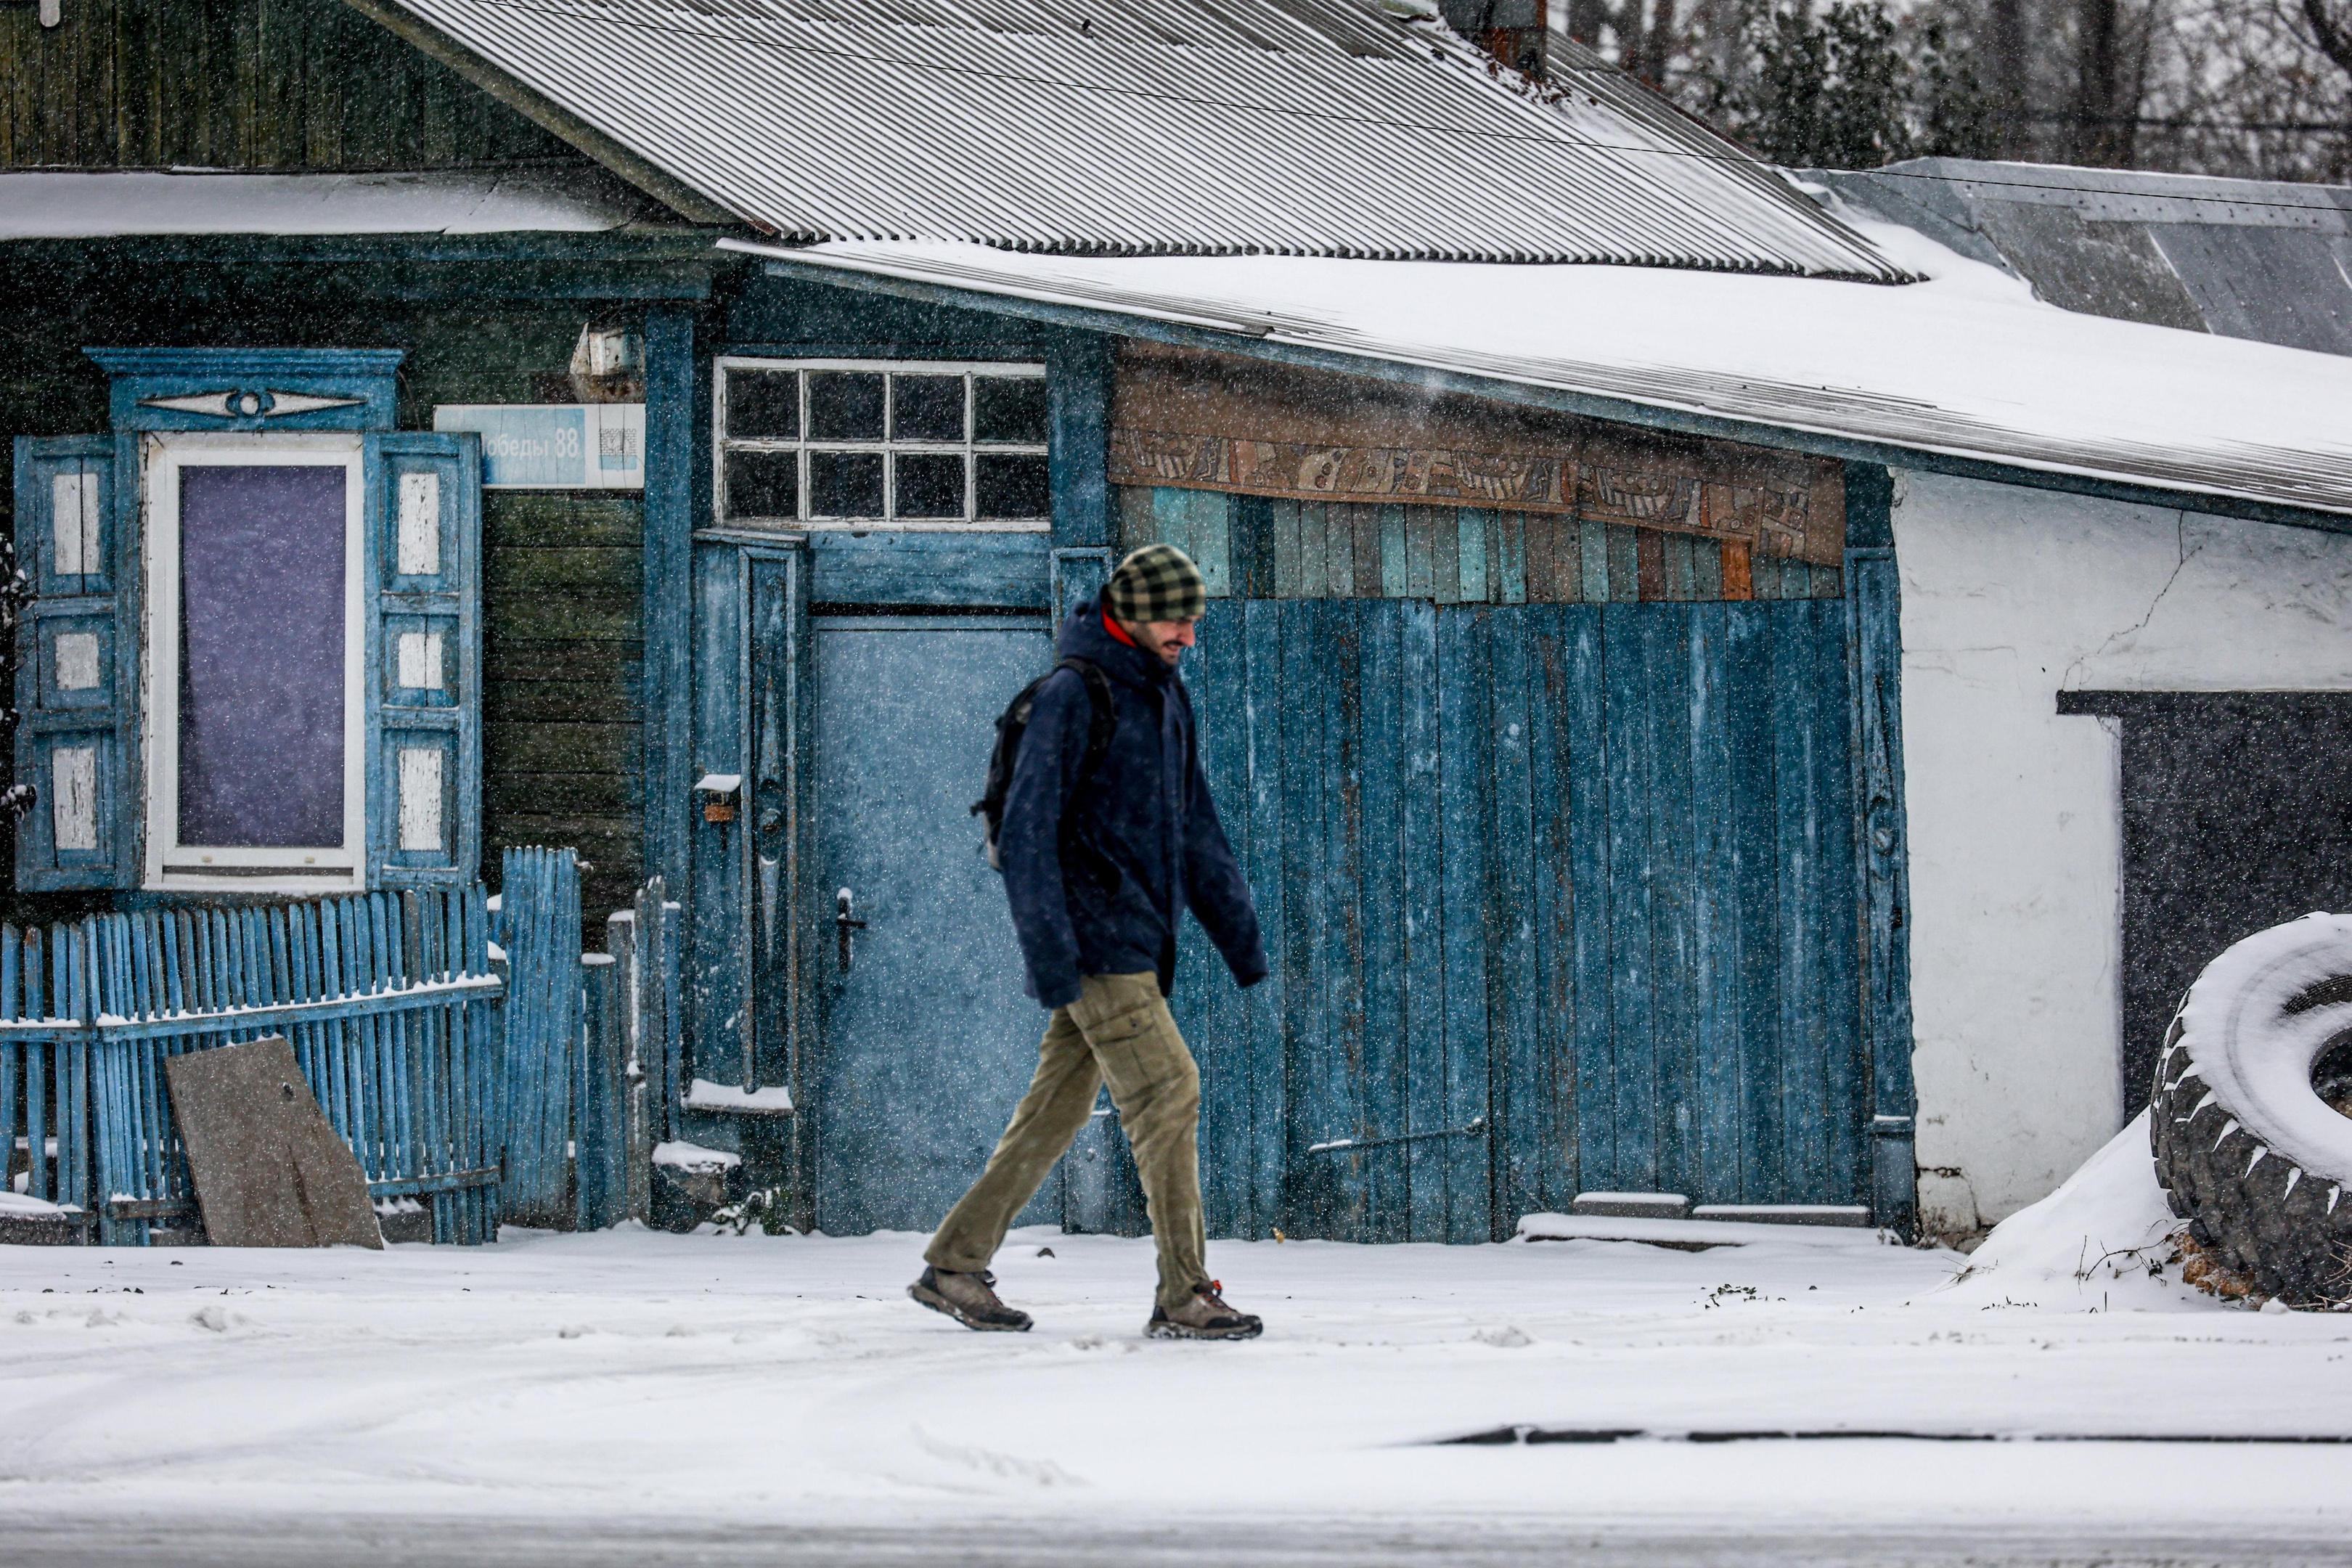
845, 484
763, 403
927, 409
763, 484
1013, 486
845, 406
261, 657
930, 485
1008, 408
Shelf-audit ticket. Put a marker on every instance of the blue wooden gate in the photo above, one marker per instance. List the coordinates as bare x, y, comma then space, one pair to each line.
1560, 898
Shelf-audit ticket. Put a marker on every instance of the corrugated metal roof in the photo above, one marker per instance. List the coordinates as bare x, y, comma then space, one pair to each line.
2243, 258
1146, 126
1942, 368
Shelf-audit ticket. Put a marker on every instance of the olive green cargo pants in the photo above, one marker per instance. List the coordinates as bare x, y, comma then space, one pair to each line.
1118, 1030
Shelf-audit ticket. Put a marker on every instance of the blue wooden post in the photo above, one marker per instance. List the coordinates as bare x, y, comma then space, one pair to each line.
1078, 390
599, 1127
672, 395
1874, 650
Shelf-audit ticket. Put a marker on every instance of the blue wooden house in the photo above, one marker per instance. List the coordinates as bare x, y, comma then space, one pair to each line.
673, 431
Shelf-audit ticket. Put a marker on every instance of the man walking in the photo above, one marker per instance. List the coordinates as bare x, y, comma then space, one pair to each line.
1103, 847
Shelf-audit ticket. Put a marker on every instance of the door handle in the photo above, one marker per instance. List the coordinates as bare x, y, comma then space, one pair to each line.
844, 923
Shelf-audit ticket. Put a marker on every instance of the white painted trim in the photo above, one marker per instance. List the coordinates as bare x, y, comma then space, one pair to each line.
422, 830
418, 529
73, 798
311, 869
74, 660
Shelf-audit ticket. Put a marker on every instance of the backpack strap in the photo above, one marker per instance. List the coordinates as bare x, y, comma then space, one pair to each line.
1104, 722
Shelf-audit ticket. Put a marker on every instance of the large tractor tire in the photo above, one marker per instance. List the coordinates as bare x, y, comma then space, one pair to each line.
2249, 1142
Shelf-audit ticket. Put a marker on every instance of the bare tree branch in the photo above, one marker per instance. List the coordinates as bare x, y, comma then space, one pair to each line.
2333, 39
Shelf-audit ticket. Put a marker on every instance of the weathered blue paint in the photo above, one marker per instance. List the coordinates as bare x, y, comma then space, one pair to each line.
672, 474
1874, 610
1521, 1104
900, 570
1078, 574
394, 1033
538, 926
1078, 384
600, 1167
1265, 1006
101, 603
1380, 774
776, 829
358, 381
447, 603
1559, 867
927, 1040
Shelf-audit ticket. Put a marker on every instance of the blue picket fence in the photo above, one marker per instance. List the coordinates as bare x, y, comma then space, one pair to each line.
386, 999
591, 1067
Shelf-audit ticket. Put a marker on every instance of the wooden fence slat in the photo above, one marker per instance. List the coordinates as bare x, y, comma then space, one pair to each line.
1465, 806
1214, 1007
1343, 959
1385, 803
1265, 1005
1423, 860
1755, 891
1804, 1074
11, 1067
1715, 924
1306, 1198
39, 1075
1673, 944
1520, 1118
1839, 1001
1633, 1089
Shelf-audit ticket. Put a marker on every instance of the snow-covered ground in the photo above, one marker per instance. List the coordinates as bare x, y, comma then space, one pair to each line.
638, 1387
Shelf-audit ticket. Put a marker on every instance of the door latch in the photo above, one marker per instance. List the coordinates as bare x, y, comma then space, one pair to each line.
844, 923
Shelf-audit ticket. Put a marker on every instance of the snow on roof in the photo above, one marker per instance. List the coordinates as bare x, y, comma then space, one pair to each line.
1966, 364
2245, 258
1200, 127
55, 204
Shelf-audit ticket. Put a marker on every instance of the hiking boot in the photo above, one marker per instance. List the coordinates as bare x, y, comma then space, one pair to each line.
970, 1300
1204, 1317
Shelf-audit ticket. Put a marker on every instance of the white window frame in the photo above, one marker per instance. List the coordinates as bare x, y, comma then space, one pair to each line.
171, 864
721, 443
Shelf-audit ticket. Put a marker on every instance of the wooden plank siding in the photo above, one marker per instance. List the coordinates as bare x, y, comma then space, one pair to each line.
1583, 872
240, 84
563, 712
1450, 555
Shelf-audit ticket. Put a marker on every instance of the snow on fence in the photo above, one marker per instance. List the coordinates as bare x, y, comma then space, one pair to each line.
387, 998
592, 1046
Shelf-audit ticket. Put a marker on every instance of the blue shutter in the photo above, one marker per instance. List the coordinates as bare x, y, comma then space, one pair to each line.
424, 659
76, 670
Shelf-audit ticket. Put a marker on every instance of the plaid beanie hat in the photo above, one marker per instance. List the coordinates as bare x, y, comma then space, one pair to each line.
1158, 583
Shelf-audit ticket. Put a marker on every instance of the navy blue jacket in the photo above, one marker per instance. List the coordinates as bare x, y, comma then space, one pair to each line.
1099, 873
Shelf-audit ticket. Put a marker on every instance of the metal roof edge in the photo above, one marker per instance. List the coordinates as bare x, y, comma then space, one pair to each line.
558, 122
1208, 331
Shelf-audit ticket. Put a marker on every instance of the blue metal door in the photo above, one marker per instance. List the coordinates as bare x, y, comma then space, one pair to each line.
927, 1040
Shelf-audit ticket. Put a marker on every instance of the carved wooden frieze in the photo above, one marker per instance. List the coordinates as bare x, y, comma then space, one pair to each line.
1202, 421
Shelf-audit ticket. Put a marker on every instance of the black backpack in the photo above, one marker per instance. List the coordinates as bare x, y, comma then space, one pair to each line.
1013, 722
